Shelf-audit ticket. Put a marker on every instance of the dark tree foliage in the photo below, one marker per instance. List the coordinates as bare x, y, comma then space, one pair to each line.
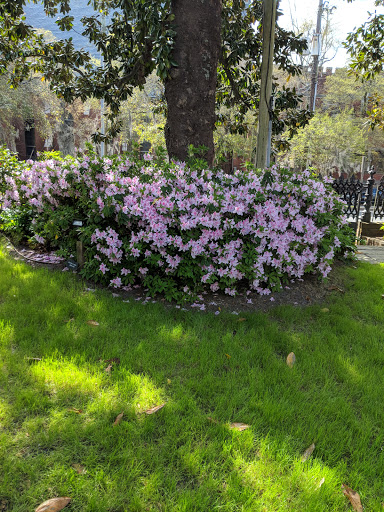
145, 35
366, 46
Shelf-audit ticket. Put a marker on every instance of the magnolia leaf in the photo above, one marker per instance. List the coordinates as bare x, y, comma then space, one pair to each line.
118, 419
353, 497
291, 359
336, 288
92, 322
53, 505
79, 469
239, 426
321, 483
308, 452
154, 409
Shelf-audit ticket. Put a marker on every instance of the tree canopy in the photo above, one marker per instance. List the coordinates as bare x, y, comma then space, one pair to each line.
140, 36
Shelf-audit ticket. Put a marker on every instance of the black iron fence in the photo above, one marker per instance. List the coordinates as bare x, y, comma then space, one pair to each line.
365, 199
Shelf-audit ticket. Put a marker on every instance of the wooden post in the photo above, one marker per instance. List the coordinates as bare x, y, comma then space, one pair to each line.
80, 254
269, 23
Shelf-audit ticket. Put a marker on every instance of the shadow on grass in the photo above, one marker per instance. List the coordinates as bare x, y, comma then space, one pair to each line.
211, 371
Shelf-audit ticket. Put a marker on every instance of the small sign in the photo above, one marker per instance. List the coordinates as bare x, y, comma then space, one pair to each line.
77, 223
72, 265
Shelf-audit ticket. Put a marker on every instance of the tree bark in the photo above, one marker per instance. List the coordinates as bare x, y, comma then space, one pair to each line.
190, 90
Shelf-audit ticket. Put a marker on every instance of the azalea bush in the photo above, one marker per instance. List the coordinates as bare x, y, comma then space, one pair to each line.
177, 229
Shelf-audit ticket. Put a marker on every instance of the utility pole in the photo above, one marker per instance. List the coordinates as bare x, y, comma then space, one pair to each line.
102, 127
265, 106
316, 50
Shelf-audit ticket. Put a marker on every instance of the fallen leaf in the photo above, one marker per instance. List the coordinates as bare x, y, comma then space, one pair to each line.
154, 409
336, 289
308, 452
118, 419
53, 505
321, 483
3, 505
26, 434
241, 319
291, 359
77, 411
239, 426
353, 497
228, 356
382, 297
92, 322
33, 358
324, 310
108, 369
212, 420
169, 381
79, 469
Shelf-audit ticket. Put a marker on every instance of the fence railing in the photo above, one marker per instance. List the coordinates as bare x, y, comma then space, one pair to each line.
365, 199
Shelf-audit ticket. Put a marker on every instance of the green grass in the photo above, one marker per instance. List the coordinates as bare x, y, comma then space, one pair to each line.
177, 459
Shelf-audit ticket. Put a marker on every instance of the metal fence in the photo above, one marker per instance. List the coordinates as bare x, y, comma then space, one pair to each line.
365, 200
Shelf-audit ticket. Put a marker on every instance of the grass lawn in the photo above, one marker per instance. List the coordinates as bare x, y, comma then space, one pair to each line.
57, 432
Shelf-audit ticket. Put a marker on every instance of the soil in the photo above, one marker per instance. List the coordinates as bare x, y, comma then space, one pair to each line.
302, 292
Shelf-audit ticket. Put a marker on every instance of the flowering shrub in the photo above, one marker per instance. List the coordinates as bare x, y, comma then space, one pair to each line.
177, 230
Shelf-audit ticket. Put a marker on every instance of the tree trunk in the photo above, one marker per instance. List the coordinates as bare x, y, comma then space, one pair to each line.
190, 92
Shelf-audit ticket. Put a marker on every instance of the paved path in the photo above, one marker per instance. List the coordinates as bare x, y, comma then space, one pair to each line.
370, 253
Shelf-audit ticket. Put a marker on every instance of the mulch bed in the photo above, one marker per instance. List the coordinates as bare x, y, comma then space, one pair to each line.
302, 292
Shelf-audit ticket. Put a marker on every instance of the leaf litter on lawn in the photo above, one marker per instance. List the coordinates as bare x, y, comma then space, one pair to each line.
155, 409
353, 497
308, 452
53, 505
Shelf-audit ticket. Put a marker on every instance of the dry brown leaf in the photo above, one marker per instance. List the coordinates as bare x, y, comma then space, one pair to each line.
77, 411
336, 289
308, 452
108, 369
241, 319
118, 419
324, 310
353, 497
93, 322
154, 409
239, 426
212, 420
321, 483
291, 359
53, 505
79, 469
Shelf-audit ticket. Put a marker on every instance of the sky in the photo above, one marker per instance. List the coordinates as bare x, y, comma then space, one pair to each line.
345, 18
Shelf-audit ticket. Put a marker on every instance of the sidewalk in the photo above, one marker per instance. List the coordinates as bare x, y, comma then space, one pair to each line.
370, 253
